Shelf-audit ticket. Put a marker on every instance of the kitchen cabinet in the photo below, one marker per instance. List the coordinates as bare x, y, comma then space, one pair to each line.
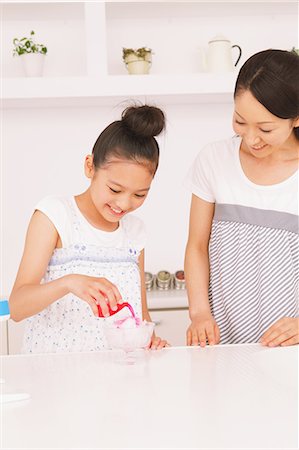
171, 324
3, 338
169, 310
15, 332
88, 68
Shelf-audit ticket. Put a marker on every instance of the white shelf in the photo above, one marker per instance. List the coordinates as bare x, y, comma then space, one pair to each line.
172, 299
177, 88
98, 31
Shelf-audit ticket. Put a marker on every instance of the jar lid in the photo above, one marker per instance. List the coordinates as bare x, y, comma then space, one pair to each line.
148, 277
163, 275
180, 275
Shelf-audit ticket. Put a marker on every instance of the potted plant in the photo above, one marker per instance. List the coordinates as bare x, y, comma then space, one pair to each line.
138, 61
32, 54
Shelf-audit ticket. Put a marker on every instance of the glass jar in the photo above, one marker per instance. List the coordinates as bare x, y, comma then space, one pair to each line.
149, 280
163, 280
179, 279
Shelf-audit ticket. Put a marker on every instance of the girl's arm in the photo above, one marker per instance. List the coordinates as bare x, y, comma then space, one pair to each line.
156, 342
28, 296
197, 269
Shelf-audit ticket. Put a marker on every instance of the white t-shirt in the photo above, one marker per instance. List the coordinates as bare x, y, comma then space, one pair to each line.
217, 177
58, 210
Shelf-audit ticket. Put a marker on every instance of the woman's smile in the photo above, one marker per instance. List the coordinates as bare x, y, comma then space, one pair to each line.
258, 148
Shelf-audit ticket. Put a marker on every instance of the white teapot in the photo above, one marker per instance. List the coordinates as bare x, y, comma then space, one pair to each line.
218, 57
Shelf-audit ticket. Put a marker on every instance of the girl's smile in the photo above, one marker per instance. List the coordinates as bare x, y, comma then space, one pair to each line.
116, 211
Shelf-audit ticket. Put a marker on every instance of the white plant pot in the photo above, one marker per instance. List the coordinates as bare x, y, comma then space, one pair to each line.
33, 64
138, 66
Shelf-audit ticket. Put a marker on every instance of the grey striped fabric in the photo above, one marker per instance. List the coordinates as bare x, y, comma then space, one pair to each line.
254, 270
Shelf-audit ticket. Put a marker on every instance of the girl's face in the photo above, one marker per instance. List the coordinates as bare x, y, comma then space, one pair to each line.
119, 187
262, 133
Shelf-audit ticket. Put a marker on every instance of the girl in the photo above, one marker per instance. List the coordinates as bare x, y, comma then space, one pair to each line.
241, 258
86, 248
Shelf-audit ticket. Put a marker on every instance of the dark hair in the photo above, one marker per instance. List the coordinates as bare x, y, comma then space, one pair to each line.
132, 137
272, 78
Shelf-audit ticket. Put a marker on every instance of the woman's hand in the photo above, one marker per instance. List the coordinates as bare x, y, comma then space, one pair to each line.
157, 343
283, 332
95, 291
203, 328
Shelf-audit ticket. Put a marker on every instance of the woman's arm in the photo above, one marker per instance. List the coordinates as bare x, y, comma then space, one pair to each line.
157, 342
197, 271
28, 296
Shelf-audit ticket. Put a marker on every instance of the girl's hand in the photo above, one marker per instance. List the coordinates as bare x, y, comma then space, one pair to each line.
283, 332
95, 291
157, 343
203, 328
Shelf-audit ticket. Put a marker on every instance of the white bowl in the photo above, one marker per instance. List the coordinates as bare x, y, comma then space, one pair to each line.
129, 339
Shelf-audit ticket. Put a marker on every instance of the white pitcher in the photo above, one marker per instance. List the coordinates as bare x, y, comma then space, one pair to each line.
218, 57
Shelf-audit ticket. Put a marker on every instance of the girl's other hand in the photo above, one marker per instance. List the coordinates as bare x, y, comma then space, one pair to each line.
283, 332
157, 343
203, 328
95, 291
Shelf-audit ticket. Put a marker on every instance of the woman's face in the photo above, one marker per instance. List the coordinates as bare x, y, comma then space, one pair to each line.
262, 133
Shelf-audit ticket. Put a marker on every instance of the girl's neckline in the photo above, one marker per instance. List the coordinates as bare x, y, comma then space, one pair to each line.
251, 183
86, 222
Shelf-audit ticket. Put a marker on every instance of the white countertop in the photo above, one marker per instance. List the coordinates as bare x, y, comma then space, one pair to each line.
236, 396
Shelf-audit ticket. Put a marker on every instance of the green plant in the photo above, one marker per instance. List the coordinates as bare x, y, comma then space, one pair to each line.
27, 45
142, 52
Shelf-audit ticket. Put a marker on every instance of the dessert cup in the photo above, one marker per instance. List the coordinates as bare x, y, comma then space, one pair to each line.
129, 339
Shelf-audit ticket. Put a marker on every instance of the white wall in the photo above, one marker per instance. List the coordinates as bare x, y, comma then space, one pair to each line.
43, 149
43, 153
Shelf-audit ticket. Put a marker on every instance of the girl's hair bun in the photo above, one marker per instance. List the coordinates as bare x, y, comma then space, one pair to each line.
143, 121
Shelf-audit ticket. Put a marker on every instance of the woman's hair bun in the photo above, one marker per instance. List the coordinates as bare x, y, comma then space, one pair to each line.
144, 121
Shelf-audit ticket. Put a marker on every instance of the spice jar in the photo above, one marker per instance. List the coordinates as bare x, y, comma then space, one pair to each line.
149, 281
179, 279
163, 280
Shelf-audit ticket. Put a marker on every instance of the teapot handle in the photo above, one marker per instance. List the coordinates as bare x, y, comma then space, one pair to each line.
240, 53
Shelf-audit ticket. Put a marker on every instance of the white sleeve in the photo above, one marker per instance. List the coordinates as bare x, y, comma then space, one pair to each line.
54, 208
135, 230
198, 179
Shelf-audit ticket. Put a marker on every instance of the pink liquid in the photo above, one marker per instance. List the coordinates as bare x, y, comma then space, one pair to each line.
120, 307
119, 322
130, 307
